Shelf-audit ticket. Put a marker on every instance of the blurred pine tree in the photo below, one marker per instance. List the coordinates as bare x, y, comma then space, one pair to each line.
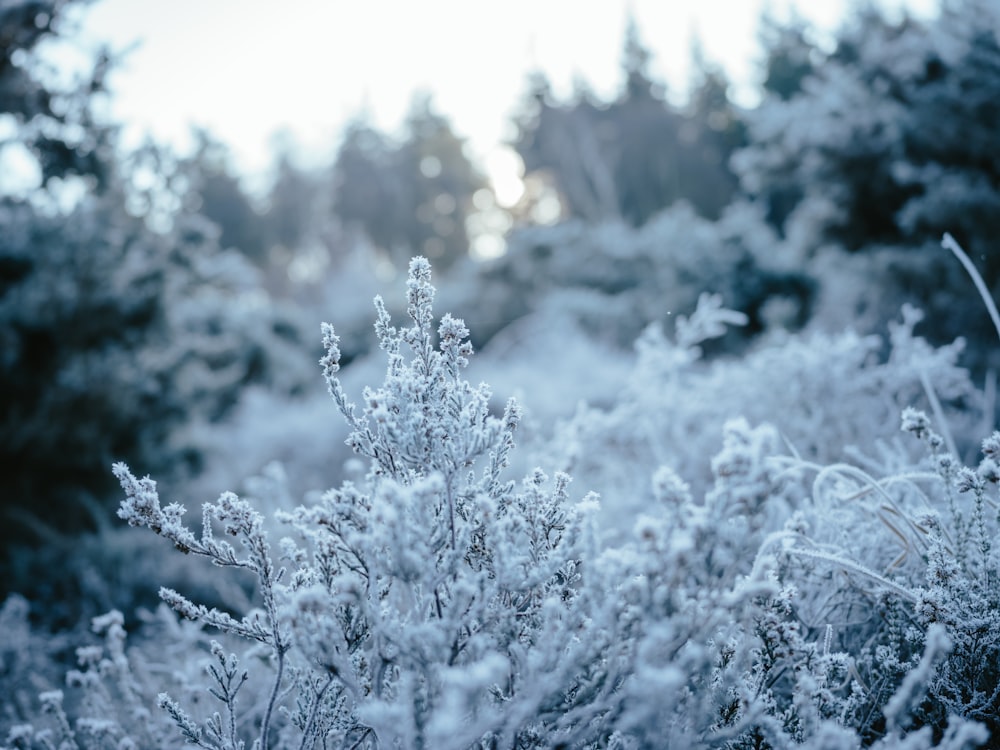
633, 157
412, 197
115, 339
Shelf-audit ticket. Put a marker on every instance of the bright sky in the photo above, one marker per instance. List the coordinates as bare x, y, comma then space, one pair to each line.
246, 69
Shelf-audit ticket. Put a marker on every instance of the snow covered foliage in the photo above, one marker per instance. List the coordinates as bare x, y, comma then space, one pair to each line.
114, 339
917, 596
414, 600
435, 601
827, 397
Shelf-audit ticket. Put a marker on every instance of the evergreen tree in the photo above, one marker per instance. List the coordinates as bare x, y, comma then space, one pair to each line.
648, 131
631, 158
54, 120
214, 191
886, 146
712, 130
441, 181
562, 141
115, 340
291, 205
365, 194
789, 55
409, 198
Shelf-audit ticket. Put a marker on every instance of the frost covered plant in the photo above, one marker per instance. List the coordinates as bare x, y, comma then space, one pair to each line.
435, 603
425, 593
104, 703
901, 573
960, 593
830, 397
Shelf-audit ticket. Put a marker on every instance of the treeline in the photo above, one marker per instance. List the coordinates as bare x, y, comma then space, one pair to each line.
420, 192
871, 145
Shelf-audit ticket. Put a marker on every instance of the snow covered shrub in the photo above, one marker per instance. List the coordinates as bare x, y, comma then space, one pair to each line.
434, 602
829, 397
115, 341
430, 605
26, 662
881, 145
897, 572
108, 699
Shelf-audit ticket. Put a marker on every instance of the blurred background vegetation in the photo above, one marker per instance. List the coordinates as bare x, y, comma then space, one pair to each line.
147, 296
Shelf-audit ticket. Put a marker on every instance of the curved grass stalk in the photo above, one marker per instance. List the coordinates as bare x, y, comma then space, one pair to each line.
949, 243
889, 505
842, 562
875, 485
855, 567
939, 417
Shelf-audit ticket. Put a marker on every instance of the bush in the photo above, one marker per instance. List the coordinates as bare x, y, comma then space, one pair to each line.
437, 603
830, 398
